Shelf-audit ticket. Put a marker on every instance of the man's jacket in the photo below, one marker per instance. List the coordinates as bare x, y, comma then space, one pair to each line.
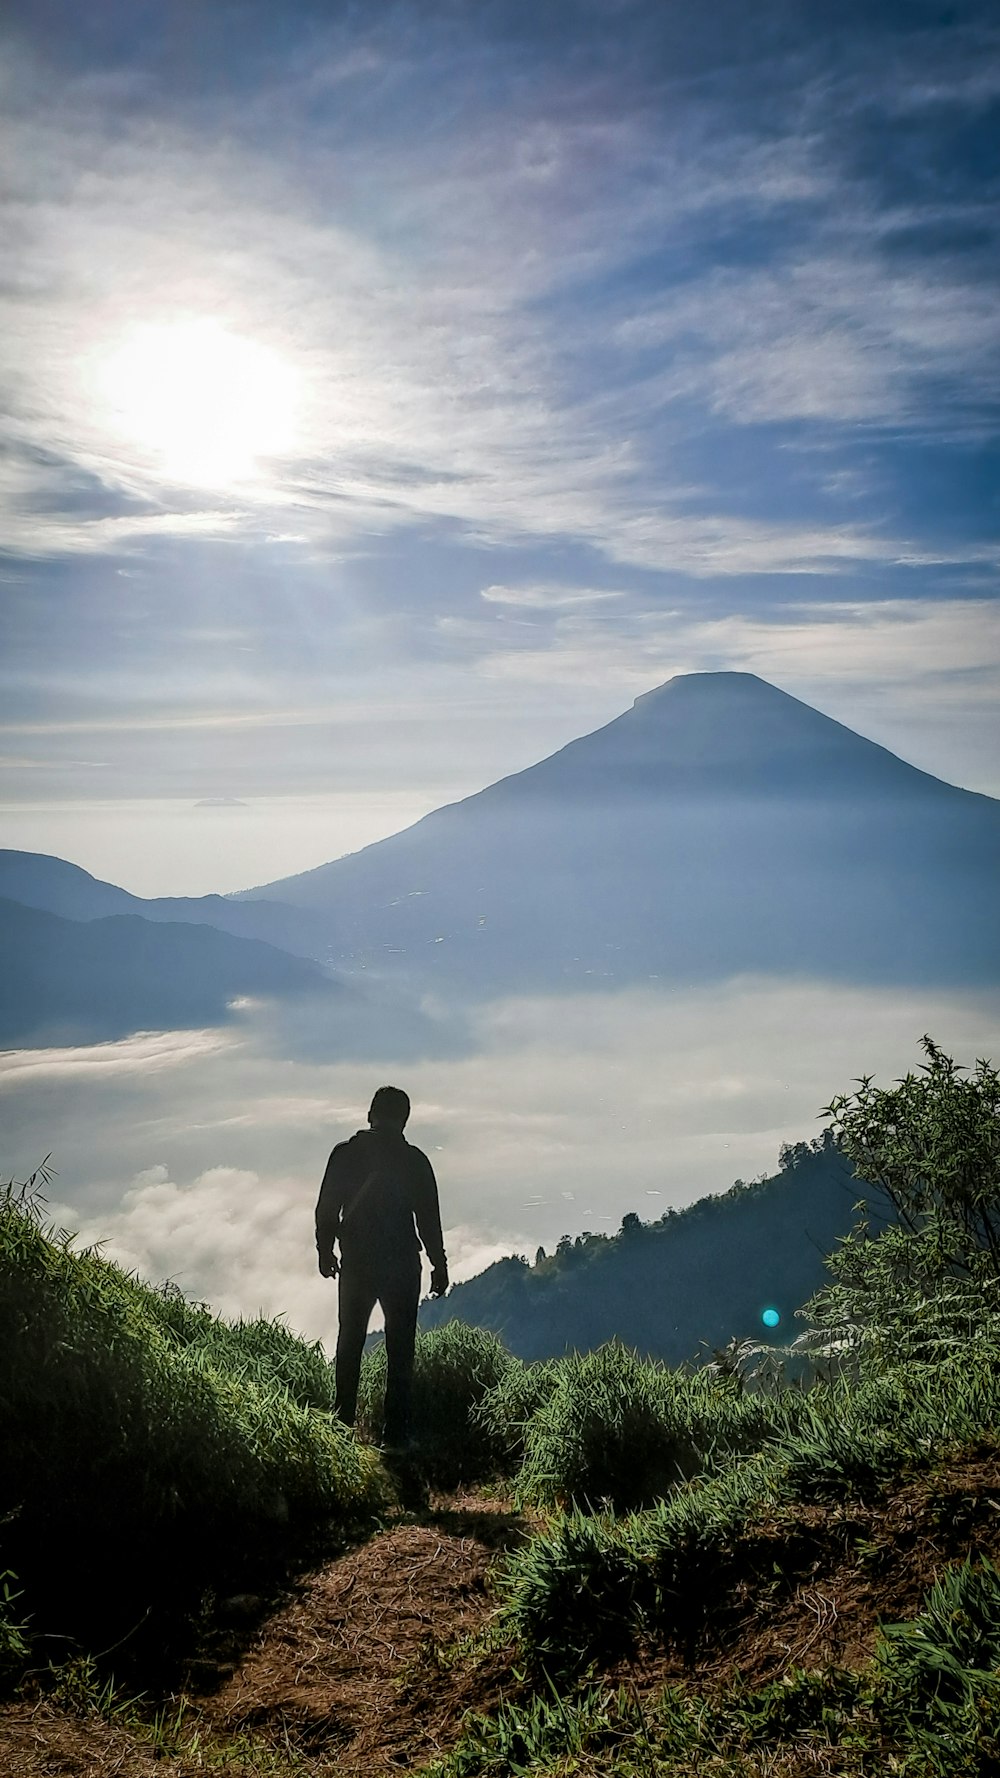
379, 1199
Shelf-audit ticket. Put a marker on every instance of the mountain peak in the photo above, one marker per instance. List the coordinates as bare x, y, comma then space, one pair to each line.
703, 686
727, 734
698, 698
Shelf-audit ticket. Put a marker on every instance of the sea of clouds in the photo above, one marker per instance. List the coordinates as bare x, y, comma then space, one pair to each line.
197, 1155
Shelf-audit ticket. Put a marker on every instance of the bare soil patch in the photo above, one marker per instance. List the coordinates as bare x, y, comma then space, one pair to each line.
358, 1668
41, 1741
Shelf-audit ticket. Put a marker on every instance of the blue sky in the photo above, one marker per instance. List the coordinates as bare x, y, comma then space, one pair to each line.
392, 392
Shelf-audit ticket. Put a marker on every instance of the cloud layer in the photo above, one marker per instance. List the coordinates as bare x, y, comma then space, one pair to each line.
199, 1156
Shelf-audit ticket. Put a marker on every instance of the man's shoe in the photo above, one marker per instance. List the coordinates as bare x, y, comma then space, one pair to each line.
396, 1447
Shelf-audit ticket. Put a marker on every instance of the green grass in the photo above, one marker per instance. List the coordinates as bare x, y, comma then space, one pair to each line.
13, 1644
926, 1706
508, 1408
612, 1429
455, 1367
154, 1452
176, 1730
590, 1587
608, 1429
151, 1449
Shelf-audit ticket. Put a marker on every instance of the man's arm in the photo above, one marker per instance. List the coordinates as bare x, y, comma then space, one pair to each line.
428, 1215
329, 1205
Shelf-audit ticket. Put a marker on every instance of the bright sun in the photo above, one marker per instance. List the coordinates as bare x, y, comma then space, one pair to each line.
206, 404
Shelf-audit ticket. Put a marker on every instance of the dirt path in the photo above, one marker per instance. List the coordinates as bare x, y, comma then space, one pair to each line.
351, 1674
356, 1667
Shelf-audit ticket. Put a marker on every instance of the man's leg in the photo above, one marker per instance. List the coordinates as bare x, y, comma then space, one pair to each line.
399, 1295
357, 1295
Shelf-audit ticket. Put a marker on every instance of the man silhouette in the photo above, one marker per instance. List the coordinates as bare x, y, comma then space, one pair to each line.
379, 1199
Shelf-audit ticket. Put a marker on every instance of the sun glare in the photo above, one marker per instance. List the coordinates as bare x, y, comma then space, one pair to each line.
205, 404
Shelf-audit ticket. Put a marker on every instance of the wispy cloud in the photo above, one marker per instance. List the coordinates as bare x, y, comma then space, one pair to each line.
881, 641
447, 370
546, 598
844, 336
921, 676
146, 1054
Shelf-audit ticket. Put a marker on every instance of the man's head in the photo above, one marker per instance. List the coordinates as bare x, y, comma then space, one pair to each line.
389, 1109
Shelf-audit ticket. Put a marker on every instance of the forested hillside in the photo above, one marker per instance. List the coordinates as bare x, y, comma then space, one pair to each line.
698, 1277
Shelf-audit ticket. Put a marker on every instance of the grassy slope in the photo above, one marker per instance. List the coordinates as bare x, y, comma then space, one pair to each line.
150, 1449
726, 1623
393, 1656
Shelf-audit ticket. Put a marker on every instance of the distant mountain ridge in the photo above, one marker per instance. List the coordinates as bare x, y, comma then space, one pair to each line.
696, 1279
57, 887
719, 826
72, 981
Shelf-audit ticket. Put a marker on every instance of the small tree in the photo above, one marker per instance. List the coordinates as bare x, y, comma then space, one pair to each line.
931, 1144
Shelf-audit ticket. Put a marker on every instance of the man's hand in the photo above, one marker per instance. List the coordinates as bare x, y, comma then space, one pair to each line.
439, 1280
329, 1268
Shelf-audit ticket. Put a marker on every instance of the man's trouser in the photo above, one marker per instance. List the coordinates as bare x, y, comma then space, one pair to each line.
396, 1285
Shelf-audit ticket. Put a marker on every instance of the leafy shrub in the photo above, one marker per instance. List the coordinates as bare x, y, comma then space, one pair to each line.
930, 1281
903, 1294
931, 1143
576, 1593
507, 1409
454, 1367
150, 1449
612, 1429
